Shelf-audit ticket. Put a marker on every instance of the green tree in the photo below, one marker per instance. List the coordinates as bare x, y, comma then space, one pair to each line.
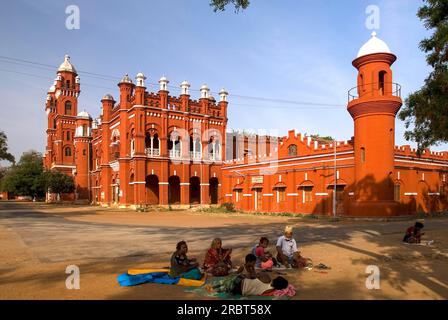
25, 178
59, 183
220, 5
425, 110
4, 154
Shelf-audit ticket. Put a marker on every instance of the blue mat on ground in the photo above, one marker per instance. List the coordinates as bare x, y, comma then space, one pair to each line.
126, 280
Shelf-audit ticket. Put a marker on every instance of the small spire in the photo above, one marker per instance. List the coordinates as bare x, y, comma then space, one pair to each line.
373, 34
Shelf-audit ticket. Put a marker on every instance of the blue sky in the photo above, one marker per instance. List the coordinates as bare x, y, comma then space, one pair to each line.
281, 50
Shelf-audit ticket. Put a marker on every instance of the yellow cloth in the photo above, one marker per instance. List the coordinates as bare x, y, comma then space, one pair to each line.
182, 281
134, 272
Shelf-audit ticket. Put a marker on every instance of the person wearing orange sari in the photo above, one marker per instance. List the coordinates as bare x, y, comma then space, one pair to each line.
217, 260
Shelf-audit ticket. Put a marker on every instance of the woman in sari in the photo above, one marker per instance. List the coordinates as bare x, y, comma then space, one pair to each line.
217, 260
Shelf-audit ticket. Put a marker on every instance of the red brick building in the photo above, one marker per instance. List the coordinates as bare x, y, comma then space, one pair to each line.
365, 176
156, 149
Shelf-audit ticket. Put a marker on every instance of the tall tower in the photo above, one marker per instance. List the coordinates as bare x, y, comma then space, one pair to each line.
373, 105
82, 144
61, 107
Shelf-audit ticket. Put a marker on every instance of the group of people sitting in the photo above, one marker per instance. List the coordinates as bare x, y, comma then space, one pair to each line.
246, 280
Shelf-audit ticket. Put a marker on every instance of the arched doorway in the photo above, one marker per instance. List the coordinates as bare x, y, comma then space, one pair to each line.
152, 189
174, 190
195, 190
213, 190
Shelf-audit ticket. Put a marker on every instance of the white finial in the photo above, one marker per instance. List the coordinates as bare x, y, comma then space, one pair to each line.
163, 83
373, 34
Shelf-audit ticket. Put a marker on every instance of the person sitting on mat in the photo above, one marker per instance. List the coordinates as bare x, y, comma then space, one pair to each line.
414, 234
217, 260
265, 260
247, 270
287, 252
182, 266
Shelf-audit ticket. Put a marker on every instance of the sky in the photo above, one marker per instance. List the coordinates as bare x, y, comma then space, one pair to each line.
286, 64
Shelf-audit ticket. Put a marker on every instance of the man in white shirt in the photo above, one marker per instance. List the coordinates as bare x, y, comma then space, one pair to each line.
287, 252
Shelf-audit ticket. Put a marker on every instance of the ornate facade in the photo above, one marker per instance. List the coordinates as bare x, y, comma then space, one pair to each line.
155, 149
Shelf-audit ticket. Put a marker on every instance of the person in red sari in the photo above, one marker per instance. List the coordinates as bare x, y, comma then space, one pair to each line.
217, 260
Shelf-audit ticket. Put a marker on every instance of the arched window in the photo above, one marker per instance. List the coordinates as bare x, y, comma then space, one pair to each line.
68, 108
363, 155
68, 152
155, 142
292, 150
381, 82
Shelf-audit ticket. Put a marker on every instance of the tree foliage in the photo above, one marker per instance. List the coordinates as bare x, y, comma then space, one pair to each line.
220, 5
28, 178
25, 177
4, 154
425, 110
58, 182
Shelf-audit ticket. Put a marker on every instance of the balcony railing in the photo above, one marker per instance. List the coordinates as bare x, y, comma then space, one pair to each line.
152, 152
214, 156
195, 155
175, 154
377, 89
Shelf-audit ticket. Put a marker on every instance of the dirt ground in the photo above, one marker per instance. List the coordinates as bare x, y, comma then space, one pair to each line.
38, 241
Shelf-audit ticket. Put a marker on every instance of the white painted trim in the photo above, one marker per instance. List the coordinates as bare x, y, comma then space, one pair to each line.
228, 195
286, 165
432, 163
185, 183
131, 116
294, 159
205, 184
410, 193
268, 194
138, 182
247, 195
292, 194
62, 166
321, 194
115, 125
164, 183
433, 193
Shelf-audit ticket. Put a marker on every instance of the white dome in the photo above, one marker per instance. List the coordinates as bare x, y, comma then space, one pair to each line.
84, 114
374, 45
126, 79
108, 97
163, 79
67, 65
204, 87
140, 75
185, 83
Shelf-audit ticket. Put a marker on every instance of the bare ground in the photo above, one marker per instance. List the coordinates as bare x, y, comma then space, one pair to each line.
38, 242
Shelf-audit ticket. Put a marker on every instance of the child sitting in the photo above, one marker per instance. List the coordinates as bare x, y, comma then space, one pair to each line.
414, 234
247, 270
265, 259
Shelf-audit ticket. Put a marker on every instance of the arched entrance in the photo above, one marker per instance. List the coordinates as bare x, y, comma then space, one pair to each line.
195, 190
213, 190
174, 190
152, 189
